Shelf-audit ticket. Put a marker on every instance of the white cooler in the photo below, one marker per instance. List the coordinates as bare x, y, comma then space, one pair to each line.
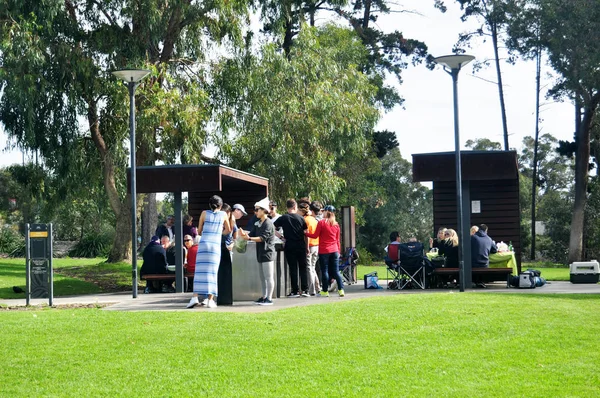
585, 272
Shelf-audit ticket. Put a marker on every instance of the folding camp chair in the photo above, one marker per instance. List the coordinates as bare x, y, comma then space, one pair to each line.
348, 264
392, 261
412, 268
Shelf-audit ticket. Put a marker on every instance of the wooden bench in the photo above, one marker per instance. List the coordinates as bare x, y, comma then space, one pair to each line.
482, 274
168, 277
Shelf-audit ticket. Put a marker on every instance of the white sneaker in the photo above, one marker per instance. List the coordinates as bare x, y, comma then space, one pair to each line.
193, 302
204, 302
211, 304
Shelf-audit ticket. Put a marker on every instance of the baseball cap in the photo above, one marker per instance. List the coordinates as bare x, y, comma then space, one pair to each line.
329, 208
241, 208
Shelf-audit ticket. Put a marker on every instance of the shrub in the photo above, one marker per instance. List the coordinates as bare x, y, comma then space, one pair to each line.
10, 240
94, 244
366, 258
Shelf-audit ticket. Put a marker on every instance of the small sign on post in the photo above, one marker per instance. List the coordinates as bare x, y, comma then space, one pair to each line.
39, 275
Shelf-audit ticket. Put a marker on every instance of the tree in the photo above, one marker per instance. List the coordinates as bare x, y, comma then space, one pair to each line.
54, 72
401, 205
483, 144
569, 32
493, 13
293, 117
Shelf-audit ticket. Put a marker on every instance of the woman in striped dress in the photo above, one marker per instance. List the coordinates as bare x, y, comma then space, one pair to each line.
213, 223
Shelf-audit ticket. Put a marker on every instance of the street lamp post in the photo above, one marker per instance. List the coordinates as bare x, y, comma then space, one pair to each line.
131, 78
452, 65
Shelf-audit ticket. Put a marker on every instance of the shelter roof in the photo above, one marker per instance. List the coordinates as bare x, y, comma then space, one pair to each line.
193, 178
475, 166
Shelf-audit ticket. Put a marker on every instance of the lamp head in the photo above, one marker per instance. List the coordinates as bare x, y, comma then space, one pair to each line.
454, 62
131, 75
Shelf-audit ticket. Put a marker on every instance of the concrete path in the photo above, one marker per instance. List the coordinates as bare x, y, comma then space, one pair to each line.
178, 301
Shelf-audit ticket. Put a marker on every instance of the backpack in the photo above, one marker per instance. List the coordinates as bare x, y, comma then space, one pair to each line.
527, 280
535, 272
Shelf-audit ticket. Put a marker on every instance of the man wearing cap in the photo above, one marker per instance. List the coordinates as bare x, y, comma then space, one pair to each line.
293, 226
239, 211
263, 233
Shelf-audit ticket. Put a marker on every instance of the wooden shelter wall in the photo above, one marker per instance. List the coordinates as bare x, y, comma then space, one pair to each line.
499, 209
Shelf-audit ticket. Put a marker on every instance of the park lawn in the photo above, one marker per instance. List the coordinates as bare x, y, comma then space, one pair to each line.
418, 345
72, 276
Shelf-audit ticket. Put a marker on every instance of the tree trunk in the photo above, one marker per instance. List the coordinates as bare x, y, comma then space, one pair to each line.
149, 217
535, 152
494, 29
121, 249
582, 160
366, 14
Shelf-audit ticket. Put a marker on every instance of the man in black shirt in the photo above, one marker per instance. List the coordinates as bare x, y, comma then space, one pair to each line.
293, 226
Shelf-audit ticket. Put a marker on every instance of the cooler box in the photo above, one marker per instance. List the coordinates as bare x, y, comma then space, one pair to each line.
584, 272
371, 280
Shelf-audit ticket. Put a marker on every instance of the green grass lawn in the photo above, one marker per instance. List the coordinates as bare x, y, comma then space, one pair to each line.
417, 345
75, 276
72, 276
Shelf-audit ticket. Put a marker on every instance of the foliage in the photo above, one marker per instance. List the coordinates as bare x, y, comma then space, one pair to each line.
573, 50
273, 110
401, 205
555, 211
93, 244
387, 52
483, 144
11, 241
554, 172
58, 92
365, 257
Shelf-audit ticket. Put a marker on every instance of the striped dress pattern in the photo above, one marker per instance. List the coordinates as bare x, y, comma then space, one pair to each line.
209, 254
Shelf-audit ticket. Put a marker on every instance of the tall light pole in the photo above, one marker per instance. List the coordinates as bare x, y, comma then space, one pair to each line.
452, 65
131, 78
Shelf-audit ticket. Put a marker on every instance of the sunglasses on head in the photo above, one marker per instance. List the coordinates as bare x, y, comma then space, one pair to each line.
257, 209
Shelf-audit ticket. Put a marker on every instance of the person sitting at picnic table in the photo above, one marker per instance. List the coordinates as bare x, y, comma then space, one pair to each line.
481, 247
437, 242
191, 245
449, 248
155, 262
394, 240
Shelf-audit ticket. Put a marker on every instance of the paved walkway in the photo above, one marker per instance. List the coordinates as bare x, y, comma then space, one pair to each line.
177, 301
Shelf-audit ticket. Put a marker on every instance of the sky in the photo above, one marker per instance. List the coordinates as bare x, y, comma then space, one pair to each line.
425, 121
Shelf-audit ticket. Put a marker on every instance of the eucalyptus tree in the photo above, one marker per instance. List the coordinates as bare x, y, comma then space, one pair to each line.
295, 118
57, 88
569, 33
493, 15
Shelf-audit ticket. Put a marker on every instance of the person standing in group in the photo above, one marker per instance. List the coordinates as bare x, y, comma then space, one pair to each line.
188, 228
166, 228
225, 274
213, 223
293, 226
263, 233
314, 287
328, 232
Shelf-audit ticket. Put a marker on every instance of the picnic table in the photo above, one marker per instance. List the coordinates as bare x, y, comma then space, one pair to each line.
497, 260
